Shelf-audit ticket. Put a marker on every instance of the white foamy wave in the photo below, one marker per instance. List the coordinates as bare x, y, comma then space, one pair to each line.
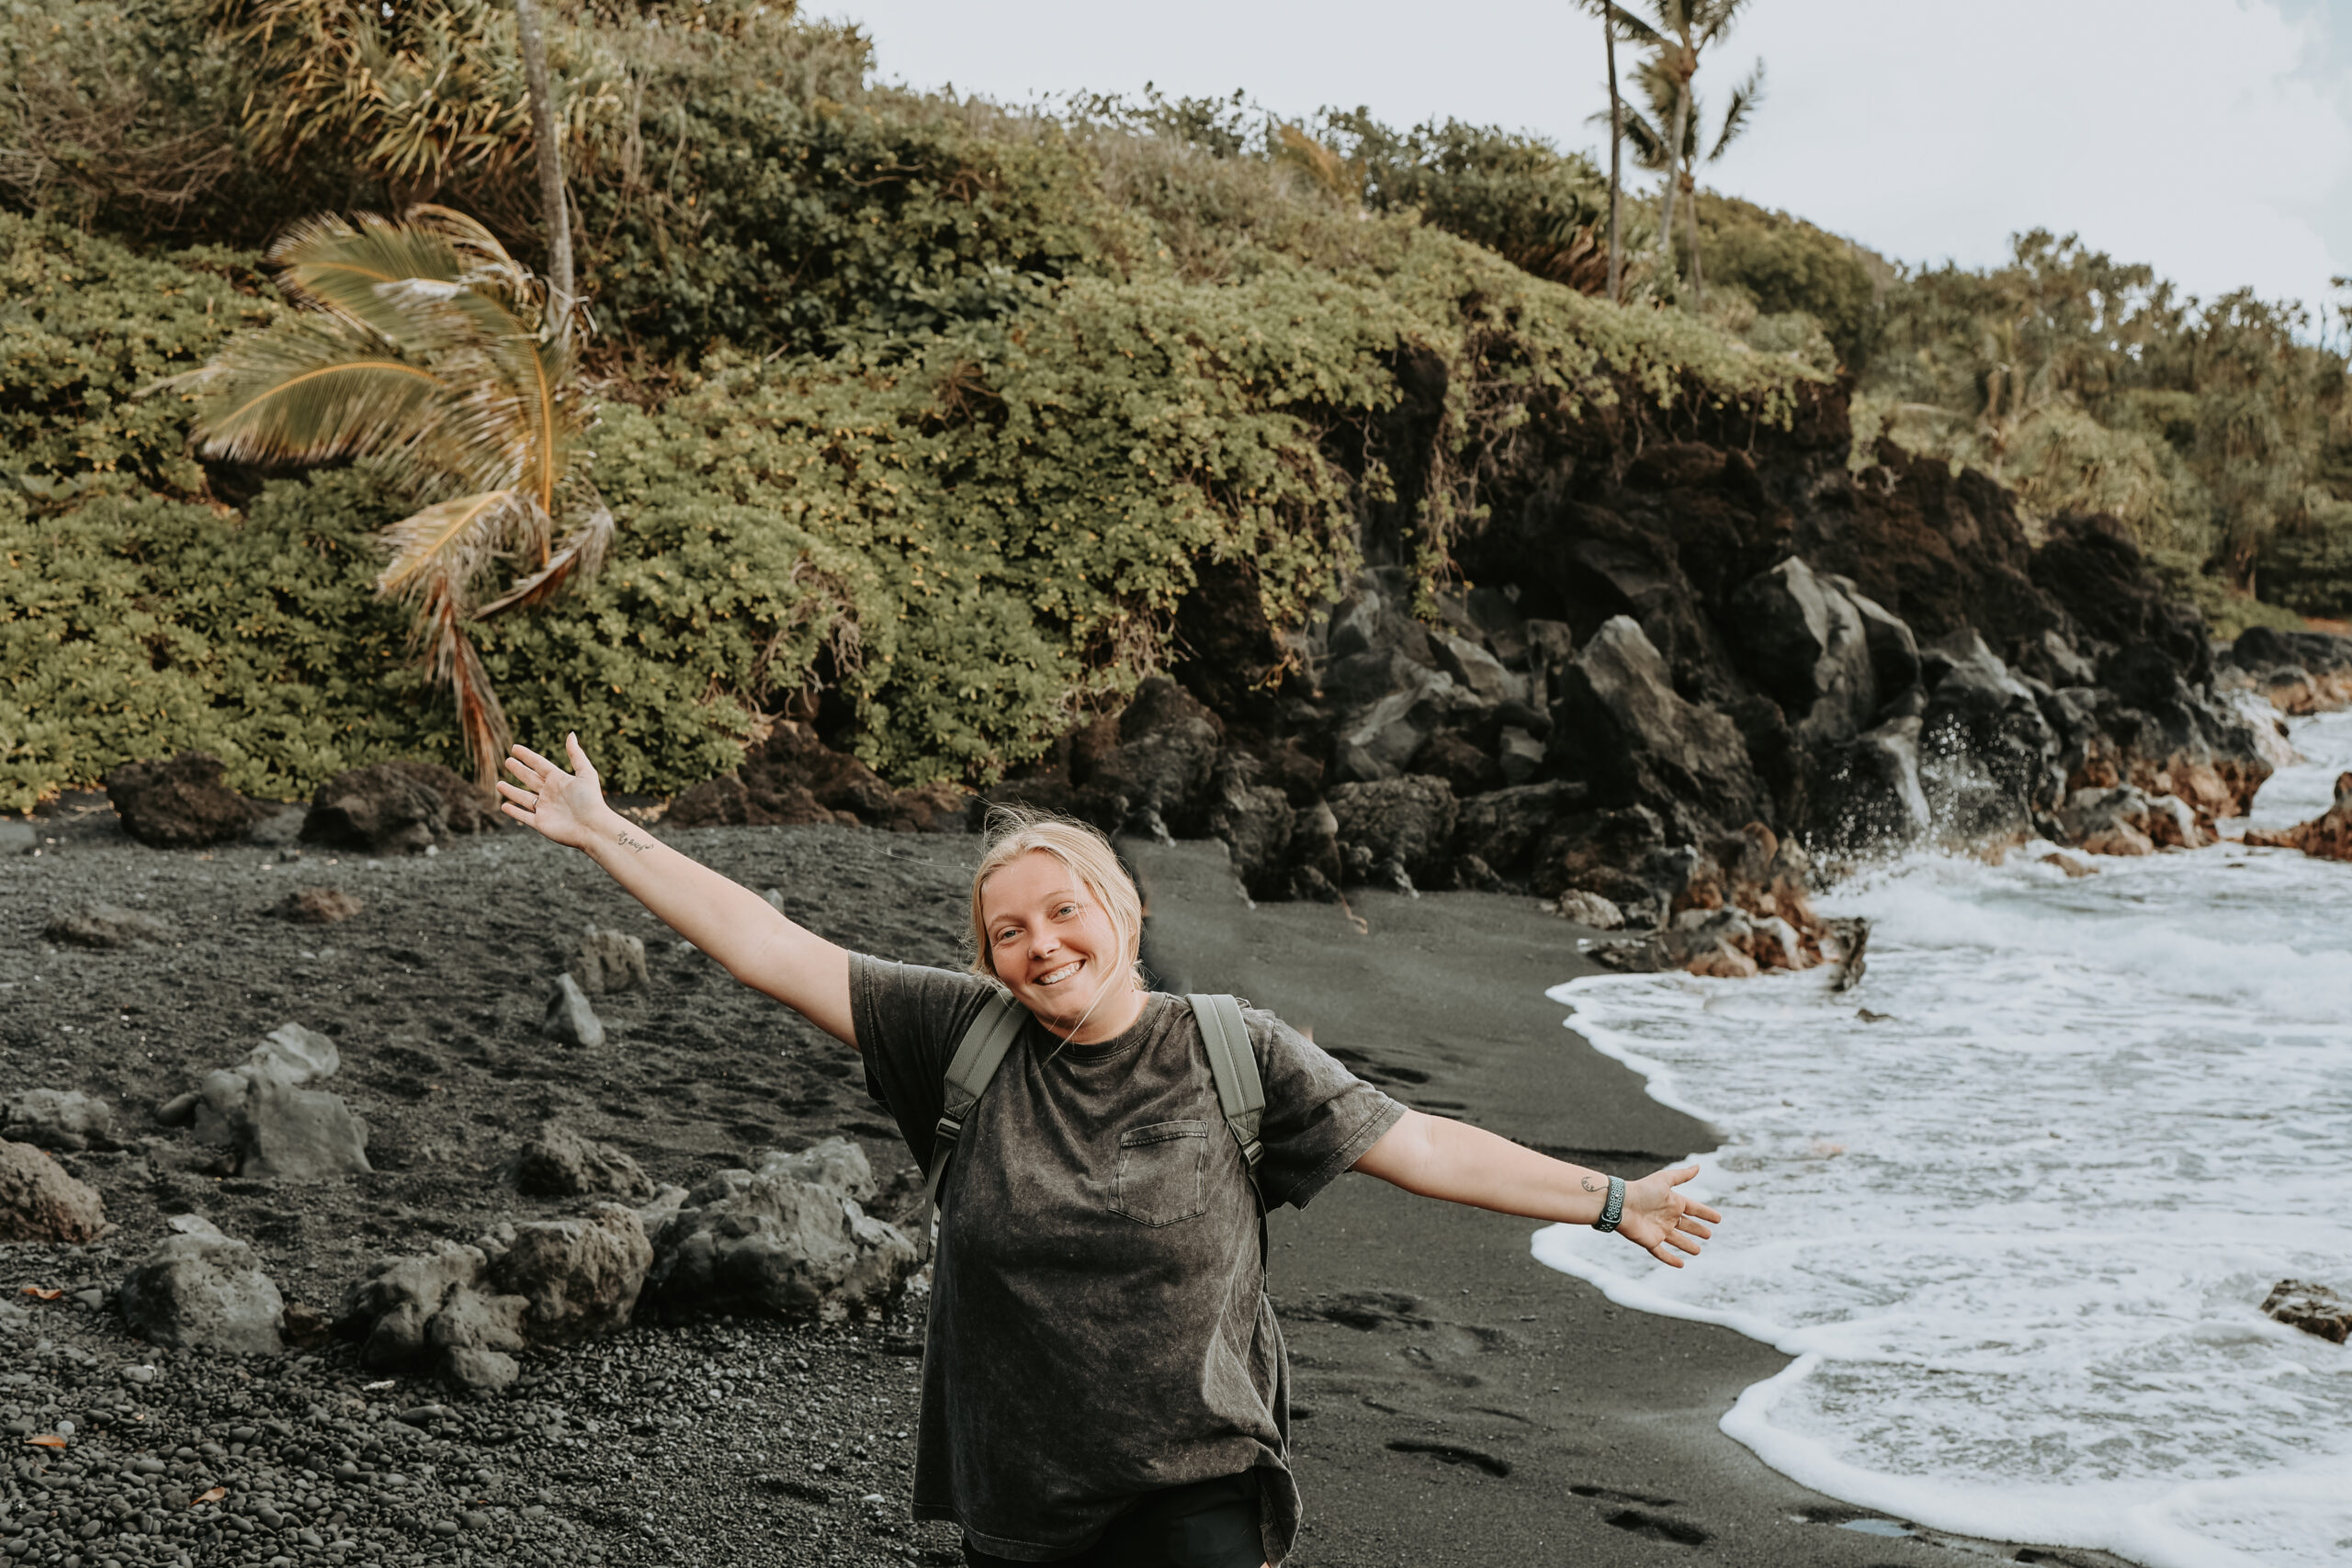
2018, 1230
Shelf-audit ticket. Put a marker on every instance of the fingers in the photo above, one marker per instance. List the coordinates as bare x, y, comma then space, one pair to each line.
1680, 1174
517, 797
531, 759
1665, 1254
1703, 1211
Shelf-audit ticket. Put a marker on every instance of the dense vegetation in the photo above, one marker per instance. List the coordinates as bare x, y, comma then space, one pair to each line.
933, 406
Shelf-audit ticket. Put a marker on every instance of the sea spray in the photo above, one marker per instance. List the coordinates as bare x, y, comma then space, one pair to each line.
2014, 1204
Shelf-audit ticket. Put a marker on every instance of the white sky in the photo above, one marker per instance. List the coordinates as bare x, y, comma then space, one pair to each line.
2209, 138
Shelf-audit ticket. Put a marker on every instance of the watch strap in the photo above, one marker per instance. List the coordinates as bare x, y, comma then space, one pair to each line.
1615, 1209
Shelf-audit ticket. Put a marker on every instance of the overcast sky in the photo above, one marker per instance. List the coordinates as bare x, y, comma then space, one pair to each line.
2210, 138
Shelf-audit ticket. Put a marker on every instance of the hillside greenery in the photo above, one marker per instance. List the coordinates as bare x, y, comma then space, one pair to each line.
934, 405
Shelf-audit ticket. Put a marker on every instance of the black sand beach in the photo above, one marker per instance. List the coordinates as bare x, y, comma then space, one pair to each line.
1457, 1402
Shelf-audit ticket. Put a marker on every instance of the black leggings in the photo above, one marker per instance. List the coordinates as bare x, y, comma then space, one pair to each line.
1210, 1524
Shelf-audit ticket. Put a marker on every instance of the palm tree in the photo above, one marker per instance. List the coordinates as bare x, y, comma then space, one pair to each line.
1666, 83
1667, 140
551, 151
422, 347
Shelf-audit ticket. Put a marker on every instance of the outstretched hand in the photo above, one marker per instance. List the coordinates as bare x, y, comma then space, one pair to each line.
564, 807
1662, 1222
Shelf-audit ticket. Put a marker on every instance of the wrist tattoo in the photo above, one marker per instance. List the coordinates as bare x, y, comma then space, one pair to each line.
638, 846
1593, 1183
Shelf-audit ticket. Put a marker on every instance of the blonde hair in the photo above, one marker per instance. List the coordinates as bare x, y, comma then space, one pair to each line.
1013, 832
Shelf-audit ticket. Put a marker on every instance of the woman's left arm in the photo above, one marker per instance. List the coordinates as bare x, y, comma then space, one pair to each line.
1439, 1158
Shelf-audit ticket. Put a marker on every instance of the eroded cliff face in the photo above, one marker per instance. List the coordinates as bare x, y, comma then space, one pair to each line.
1686, 665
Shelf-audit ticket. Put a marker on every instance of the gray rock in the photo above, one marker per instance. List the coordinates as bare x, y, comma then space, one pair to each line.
204, 1293
271, 1128
299, 1056
1392, 705
774, 1243
1472, 668
19, 838
57, 1118
579, 1277
1407, 822
1166, 753
105, 926
39, 1201
605, 961
480, 1372
1987, 752
1808, 646
569, 1018
390, 1309
1520, 754
1620, 724
1588, 910
180, 1109
836, 1163
559, 1162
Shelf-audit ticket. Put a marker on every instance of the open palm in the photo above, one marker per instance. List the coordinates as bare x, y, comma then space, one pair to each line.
1662, 1222
565, 806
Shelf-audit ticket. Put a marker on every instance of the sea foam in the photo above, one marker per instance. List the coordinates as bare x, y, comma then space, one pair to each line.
2017, 1231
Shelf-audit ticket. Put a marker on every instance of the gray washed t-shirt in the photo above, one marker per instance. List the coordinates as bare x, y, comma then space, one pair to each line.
1099, 1324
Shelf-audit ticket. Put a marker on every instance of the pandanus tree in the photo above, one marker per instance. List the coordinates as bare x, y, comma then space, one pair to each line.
421, 347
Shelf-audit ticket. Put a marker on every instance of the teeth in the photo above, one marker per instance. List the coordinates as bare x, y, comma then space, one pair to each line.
1064, 972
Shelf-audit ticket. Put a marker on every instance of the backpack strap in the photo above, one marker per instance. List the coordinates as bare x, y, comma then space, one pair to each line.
1240, 1091
977, 1057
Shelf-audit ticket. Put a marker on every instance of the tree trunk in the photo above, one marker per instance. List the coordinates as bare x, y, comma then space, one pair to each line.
561, 294
1616, 154
1698, 275
1674, 162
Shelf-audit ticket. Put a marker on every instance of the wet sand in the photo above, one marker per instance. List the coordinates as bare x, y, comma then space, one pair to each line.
1457, 1402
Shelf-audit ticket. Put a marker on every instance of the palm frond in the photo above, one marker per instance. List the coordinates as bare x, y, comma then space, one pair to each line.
1631, 27
435, 557
298, 393
485, 264
1744, 100
578, 559
1646, 142
343, 267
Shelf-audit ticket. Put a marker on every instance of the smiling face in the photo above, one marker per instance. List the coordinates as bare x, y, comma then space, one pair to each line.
1056, 947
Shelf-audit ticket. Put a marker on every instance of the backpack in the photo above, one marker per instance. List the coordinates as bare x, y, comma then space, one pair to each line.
1232, 1063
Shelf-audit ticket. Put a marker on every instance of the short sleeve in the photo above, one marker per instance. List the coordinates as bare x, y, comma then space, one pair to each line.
1319, 1117
908, 1019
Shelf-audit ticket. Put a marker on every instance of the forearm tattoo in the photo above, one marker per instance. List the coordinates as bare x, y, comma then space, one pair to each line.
637, 845
1591, 1183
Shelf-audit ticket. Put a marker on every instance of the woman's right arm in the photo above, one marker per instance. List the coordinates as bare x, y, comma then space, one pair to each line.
728, 921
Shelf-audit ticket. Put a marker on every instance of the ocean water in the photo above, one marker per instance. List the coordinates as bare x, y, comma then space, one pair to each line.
2017, 1231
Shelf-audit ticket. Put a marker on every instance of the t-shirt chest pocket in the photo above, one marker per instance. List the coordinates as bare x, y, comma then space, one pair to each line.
1162, 1177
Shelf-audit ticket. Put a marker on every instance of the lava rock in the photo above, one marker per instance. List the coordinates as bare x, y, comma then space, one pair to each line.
318, 906
1808, 646
1588, 910
66, 1120
1166, 755
1405, 822
569, 1017
19, 838
106, 926
271, 1128
398, 805
2327, 836
390, 1308
1503, 826
39, 1201
579, 1277
1871, 800
299, 1056
2314, 1309
771, 1242
559, 1162
605, 961
1255, 820
1620, 724
204, 1293
1472, 668
1994, 749
181, 803
794, 779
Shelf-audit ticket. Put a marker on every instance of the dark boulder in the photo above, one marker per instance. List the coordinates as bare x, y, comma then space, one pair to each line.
1620, 725
1808, 646
1598, 852
398, 805
1403, 822
793, 779
1869, 801
1166, 755
1987, 756
1503, 826
1256, 821
180, 804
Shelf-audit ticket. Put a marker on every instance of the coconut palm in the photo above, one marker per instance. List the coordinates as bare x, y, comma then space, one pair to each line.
417, 346
1667, 140
1615, 21
1674, 102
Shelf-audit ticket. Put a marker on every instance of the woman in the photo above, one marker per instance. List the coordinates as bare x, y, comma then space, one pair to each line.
1104, 1382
